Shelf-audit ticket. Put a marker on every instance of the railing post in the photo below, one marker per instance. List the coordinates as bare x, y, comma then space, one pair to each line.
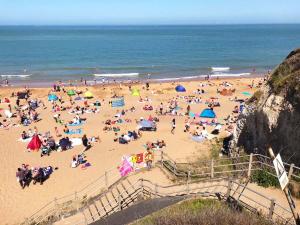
188, 183
84, 216
162, 157
229, 188
56, 207
106, 179
142, 187
120, 202
250, 165
291, 171
271, 209
75, 197
212, 168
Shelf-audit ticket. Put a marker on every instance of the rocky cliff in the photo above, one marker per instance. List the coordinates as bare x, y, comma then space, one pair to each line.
272, 115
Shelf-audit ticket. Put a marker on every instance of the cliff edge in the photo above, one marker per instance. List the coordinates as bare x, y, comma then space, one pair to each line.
272, 115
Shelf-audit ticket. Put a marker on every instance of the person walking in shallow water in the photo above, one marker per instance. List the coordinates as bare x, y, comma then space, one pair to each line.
173, 126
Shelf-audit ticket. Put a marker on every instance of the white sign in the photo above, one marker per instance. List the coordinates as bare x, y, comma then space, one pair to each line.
280, 171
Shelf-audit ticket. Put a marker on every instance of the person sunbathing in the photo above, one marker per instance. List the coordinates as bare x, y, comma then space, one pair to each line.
24, 135
66, 129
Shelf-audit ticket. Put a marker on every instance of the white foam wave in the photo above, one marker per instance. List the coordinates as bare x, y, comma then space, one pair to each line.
230, 75
219, 69
117, 75
18, 75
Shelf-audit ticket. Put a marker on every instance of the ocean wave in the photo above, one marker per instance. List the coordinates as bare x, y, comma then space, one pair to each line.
219, 69
230, 75
117, 75
18, 75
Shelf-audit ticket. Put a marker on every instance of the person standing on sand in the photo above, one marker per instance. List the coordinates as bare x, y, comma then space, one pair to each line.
85, 143
173, 126
161, 108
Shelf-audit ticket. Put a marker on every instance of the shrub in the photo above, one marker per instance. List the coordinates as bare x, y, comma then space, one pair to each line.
202, 212
264, 178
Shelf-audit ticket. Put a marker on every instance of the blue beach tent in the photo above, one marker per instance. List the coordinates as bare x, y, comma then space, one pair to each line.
180, 88
52, 97
208, 113
119, 102
146, 124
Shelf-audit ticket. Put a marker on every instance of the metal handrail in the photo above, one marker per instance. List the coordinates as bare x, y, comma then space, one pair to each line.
39, 215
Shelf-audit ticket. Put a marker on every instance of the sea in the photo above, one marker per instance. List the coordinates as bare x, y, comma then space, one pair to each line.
44, 54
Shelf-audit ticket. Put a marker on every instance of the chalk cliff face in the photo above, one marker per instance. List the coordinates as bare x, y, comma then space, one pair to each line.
272, 116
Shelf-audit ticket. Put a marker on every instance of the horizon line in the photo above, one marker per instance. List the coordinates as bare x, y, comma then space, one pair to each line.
187, 24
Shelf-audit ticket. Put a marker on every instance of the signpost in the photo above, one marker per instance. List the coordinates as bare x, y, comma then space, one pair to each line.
283, 180
280, 171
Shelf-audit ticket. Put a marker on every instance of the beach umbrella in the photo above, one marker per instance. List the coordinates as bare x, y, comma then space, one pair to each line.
88, 94
71, 93
52, 97
135, 92
180, 88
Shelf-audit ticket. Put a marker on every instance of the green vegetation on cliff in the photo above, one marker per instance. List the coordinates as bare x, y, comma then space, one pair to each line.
202, 212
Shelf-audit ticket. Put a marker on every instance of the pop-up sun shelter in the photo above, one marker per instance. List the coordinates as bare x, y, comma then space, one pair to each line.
117, 102
52, 97
35, 143
71, 92
88, 94
208, 113
147, 125
180, 88
135, 92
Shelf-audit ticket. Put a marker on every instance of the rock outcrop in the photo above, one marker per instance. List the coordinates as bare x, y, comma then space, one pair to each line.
272, 115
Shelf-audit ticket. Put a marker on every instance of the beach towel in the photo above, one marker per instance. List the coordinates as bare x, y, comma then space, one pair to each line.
85, 166
198, 138
76, 141
246, 93
35, 143
125, 169
7, 113
25, 140
76, 124
77, 131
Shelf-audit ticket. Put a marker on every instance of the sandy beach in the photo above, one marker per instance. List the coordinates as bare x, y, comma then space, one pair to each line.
17, 203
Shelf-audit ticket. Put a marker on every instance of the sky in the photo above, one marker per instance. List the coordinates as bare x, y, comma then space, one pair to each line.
147, 12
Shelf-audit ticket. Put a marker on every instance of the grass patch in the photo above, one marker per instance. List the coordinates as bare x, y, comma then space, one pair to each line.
215, 149
255, 97
202, 212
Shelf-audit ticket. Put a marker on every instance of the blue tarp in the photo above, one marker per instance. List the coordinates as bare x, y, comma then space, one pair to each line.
180, 88
208, 113
146, 124
118, 102
52, 97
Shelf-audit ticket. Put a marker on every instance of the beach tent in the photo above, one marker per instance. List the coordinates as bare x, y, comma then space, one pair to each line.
71, 92
135, 92
119, 102
88, 94
146, 123
35, 143
208, 113
180, 88
52, 97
